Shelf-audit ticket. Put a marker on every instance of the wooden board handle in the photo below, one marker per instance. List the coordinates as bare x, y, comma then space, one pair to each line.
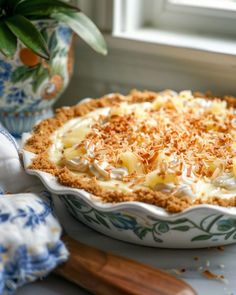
103, 273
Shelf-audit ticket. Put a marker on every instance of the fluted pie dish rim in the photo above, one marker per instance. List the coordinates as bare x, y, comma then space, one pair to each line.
146, 212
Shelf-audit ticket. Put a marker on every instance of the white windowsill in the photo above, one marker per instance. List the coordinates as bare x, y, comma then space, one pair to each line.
178, 45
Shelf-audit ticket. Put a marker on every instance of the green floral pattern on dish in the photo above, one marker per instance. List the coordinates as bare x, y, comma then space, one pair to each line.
211, 227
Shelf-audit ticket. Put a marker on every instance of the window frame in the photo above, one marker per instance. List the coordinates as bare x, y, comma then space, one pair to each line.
202, 5
127, 16
134, 61
175, 14
148, 41
130, 22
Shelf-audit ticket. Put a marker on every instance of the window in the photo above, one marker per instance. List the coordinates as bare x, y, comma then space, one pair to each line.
159, 44
211, 15
214, 4
201, 24
203, 17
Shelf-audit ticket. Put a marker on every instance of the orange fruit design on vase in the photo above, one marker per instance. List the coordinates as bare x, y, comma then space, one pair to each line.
28, 57
53, 87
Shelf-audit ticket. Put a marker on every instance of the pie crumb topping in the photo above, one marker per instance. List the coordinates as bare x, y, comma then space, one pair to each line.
150, 148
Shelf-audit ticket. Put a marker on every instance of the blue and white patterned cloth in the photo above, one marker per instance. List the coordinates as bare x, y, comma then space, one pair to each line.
30, 245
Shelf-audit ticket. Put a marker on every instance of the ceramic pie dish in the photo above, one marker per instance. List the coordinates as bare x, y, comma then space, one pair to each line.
180, 202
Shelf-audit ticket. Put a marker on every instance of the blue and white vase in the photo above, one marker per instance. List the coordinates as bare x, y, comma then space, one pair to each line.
29, 85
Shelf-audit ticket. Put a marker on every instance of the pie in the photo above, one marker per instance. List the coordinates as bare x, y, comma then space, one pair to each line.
172, 150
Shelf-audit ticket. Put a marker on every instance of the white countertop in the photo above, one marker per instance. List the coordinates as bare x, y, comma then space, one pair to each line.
218, 262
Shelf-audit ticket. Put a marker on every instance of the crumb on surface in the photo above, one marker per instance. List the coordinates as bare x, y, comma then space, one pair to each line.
207, 263
221, 266
220, 248
212, 276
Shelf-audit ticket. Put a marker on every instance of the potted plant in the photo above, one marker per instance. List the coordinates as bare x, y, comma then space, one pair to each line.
36, 57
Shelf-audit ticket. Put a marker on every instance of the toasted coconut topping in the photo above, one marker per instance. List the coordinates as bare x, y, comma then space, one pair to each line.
172, 133
164, 148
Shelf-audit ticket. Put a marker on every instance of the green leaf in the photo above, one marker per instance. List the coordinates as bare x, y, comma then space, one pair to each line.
44, 34
233, 222
163, 227
202, 238
102, 221
141, 232
54, 54
181, 228
22, 73
8, 41
224, 225
229, 234
43, 7
9, 5
40, 75
90, 219
85, 28
12, 3
178, 221
63, 52
28, 35
52, 44
156, 239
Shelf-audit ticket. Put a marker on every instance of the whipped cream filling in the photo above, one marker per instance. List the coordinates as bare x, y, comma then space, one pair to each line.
110, 177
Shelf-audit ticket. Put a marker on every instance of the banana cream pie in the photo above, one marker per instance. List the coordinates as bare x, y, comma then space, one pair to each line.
172, 150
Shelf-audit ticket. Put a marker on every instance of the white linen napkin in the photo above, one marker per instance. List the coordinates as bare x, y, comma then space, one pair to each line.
13, 178
30, 245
